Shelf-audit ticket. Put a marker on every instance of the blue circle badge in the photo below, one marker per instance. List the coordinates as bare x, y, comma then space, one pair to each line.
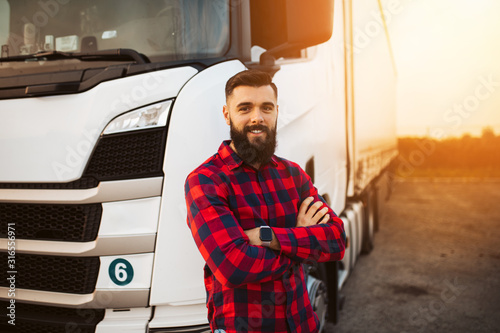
121, 272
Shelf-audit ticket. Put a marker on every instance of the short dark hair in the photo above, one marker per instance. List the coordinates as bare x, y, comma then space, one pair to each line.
252, 78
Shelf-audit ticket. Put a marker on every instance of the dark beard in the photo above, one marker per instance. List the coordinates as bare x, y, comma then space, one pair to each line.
259, 152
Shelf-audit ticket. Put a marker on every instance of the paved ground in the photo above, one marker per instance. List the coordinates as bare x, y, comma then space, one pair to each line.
435, 266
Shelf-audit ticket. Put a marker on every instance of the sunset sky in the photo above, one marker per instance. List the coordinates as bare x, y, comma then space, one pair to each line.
447, 54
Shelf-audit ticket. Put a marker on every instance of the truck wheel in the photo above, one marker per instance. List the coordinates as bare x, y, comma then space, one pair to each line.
327, 273
368, 223
319, 299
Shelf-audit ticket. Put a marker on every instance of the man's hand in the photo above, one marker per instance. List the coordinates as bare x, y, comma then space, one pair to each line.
312, 215
254, 237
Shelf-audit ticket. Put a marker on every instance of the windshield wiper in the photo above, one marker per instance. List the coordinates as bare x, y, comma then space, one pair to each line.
109, 55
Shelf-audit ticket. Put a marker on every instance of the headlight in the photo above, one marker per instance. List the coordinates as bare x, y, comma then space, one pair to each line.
147, 117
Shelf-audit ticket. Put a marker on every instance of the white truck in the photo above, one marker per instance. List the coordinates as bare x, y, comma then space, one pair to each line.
106, 106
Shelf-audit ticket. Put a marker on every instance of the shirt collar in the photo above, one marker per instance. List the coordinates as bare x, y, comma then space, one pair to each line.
232, 160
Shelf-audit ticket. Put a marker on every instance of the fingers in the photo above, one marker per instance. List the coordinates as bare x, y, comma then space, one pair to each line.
325, 219
305, 205
314, 210
311, 213
319, 214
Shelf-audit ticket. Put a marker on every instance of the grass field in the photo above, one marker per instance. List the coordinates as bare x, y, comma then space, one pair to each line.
477, 157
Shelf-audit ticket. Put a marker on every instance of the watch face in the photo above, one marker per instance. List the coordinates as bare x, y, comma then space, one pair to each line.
266, 234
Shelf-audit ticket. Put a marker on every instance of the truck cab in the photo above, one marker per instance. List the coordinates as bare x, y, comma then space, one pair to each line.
106, 106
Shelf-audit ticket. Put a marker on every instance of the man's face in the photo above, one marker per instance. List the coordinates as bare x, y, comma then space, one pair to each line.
252, 113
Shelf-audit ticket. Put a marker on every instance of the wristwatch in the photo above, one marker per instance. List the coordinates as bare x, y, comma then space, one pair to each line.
266, 235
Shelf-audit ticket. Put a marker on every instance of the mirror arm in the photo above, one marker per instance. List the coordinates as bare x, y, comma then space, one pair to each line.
267, 61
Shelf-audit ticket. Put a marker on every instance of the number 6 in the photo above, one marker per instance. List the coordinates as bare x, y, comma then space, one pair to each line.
121, 272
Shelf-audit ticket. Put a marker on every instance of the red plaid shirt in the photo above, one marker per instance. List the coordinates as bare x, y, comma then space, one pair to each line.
252, 288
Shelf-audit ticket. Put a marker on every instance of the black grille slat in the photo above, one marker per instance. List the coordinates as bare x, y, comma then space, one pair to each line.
135, 154
70, 223
74, 275
128, 155
31, 318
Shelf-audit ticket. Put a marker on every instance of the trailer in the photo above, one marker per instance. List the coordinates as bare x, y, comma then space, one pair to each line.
105, 108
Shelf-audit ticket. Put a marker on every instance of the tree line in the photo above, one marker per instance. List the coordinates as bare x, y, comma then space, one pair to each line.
464, 156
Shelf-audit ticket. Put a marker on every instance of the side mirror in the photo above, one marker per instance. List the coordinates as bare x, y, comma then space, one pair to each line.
287, 26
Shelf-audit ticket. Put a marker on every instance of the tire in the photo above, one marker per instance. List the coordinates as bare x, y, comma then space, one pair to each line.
375, 204
328, 274
318, 298
368, 223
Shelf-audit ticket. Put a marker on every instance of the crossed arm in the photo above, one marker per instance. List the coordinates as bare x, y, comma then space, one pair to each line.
234, 255
308, 215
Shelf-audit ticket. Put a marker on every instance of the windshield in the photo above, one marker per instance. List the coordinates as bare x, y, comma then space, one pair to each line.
162, 30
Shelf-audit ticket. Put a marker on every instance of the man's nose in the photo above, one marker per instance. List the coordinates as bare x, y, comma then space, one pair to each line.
257, 116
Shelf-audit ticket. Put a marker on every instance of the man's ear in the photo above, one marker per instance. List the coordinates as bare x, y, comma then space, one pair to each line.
225, 111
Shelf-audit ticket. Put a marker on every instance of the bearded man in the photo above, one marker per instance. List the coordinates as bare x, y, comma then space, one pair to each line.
256, 218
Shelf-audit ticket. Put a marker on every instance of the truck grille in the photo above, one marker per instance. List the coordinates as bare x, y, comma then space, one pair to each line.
74, 275
136, 154
128, 155
49, 319
70, 223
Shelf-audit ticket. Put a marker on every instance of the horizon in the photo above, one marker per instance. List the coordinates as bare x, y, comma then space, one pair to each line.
478, 133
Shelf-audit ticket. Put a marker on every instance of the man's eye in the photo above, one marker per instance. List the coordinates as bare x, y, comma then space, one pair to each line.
245, 109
